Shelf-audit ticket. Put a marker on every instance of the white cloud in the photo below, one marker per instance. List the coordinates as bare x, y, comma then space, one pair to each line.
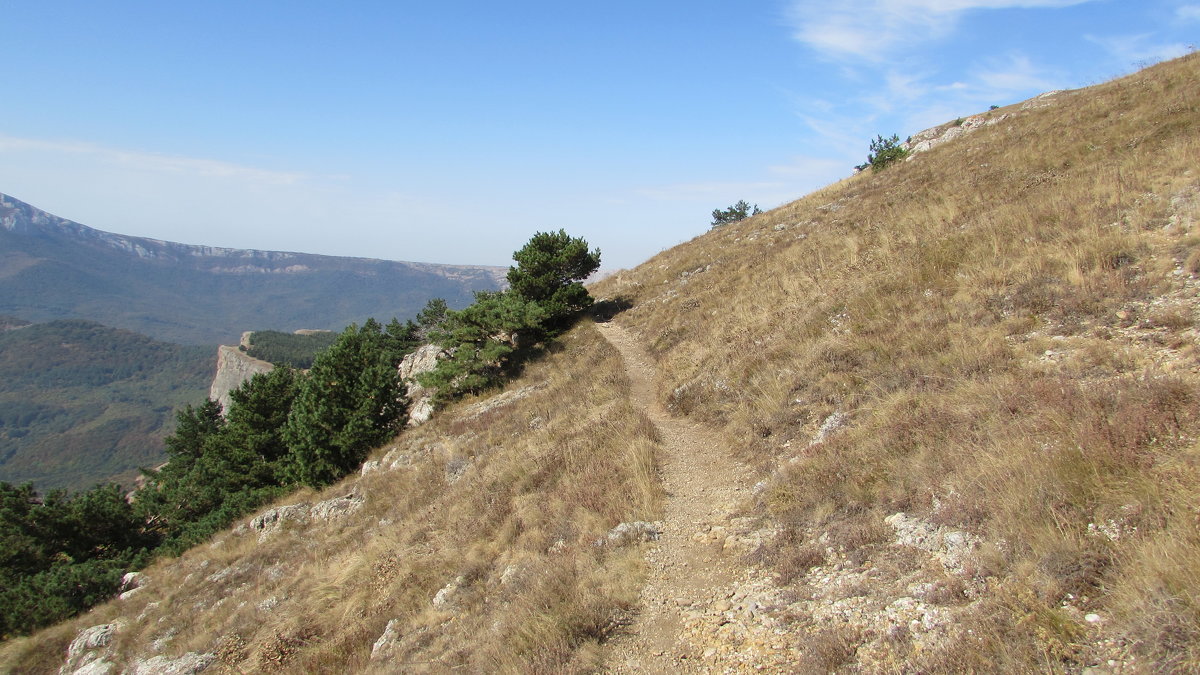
872, 29
151, 162
1188, 13
1139, 50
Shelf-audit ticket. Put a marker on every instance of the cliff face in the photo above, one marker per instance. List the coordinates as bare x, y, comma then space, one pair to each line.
233, 368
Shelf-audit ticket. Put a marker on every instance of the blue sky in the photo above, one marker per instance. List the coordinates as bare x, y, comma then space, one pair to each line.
451, 132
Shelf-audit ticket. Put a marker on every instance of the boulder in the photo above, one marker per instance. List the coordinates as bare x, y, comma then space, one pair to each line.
83, 657
386, 644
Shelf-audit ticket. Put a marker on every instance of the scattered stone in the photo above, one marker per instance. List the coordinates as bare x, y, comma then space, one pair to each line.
386, 644
632, 532
953, 548
444, 598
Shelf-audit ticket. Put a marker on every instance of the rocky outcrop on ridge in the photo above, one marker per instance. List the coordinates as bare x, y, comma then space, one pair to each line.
234, 367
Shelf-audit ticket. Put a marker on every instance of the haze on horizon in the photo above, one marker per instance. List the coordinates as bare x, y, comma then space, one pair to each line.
450, 133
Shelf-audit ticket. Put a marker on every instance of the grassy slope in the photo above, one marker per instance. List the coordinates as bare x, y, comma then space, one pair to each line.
1009, 324
1002, 322
81, 403
525, 487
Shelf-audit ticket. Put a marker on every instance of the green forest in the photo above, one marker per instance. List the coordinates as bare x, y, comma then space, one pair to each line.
289, 349
284, 429
80, 401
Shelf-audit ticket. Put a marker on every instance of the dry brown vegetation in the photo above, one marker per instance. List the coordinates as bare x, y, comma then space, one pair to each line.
509, 500
1008, 323
1007, 326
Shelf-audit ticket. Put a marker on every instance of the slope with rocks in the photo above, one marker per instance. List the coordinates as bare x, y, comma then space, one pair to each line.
968, 383
478, 541
939, 418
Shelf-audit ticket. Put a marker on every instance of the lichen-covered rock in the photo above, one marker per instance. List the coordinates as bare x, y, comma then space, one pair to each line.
131, 583
271, 521
632, 532
85, 655
337, 507
188, 664
385, 646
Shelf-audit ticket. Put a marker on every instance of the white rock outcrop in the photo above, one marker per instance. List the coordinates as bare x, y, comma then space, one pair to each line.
423, 360
188, 664
234, 367
271, 521
952, 548
385, 646
338, 506
86, 654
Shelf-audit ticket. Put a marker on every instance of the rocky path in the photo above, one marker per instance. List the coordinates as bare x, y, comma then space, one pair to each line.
691, 566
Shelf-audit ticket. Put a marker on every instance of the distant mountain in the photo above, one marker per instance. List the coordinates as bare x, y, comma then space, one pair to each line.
53, 268
81, 402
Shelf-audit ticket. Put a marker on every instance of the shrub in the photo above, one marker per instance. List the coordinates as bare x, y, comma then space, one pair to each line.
883, 151
739, 211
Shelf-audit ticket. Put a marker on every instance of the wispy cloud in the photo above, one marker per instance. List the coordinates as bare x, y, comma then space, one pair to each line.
872, 29
152, 162
1188, 13
691, 191
1139, 50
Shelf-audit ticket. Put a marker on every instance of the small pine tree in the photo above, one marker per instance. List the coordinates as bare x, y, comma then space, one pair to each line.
883, 151
739, 211
550, 270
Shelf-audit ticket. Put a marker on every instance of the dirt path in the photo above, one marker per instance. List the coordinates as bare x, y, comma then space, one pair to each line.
689, 571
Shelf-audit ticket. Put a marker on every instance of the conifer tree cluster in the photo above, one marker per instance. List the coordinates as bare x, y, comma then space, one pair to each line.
61, 554
489, 340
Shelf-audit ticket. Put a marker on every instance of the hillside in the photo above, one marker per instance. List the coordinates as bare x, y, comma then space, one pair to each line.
52, 268
937, 418
82, 403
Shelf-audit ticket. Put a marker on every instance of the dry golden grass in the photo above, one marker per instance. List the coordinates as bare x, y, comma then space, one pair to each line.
1008, 325
1008, 322
527, 487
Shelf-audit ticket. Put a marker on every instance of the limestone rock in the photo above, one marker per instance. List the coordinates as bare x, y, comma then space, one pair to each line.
82, 655
337, 507
931, 138
953, 548
632, 532
386, 644
271, 521
188, 664
233, 368
423, 360
131, 583
444, 598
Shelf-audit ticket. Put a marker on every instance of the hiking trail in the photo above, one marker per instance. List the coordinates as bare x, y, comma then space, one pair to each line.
689, 574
